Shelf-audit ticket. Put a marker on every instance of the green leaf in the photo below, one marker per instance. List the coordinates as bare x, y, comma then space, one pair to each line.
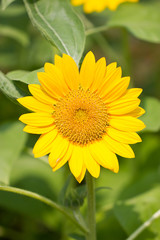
13, 11
141, 19
12, 140
14, 33
76, 236
22, 78
6, 3
59, 24
63, 191
25, 76
152, 116
16, 74
13, 24
133, 212
9, 88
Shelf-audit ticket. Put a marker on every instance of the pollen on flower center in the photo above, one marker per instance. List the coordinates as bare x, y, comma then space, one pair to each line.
81, 117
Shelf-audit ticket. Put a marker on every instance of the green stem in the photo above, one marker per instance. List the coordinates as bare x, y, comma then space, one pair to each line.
144, 226
91, 207
126, 51
106, 48
99, 38
46, 201
94, 30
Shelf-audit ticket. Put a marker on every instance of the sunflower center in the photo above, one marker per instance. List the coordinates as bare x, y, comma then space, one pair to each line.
81, 117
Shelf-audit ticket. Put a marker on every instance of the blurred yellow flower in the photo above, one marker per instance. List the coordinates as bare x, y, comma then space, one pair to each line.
99, 5
85, 117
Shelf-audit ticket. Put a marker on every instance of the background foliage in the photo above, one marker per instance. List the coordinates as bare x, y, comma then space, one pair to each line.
31, 32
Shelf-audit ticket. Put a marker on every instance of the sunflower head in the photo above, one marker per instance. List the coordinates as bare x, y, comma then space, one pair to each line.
98, 6
84, 117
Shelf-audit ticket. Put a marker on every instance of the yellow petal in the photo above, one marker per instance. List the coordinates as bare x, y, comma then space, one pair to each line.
121, 149
126, 123
124, 137
76, 161
38, 130
112, 5
53, 83
81, 176
58, 61
110, 81
37, 91
136, 113
44, 144
110, 69
122, 106
37, 119
106, 158
57, 77
59, 149
100, 70
132, 93
91, 165
77, 2
87, 71
117, 89
112, 74
70, 72
64, 159
34, 105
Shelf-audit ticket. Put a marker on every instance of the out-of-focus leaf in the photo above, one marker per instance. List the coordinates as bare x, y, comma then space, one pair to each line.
38, 178
28, 172
102, 188
59, 24
141, 19
16, 74
13, 22
45, 200
25, 76
136, 176
76, 236
9, 88
12, 140
63, 191
133, 212
152, 116
6, 3
15, 33
13, 11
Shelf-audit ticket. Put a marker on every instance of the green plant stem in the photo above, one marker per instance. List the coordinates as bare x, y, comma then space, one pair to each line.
47, 201
91, 207
144, 226
99, 39
94, 30
126, 51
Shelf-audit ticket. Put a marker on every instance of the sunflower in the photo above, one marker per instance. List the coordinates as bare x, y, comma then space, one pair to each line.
98, 6
85, 118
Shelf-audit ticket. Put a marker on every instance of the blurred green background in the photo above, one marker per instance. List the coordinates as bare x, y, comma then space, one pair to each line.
128, 198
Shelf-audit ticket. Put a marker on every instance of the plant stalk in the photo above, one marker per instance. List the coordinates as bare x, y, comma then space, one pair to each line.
91, 207
46, 201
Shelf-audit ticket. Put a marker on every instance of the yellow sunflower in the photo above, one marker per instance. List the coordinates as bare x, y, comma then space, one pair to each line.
85, 118
100, 5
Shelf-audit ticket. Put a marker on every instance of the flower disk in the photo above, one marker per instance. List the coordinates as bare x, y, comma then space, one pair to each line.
81, 117
98, 6
85, 118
